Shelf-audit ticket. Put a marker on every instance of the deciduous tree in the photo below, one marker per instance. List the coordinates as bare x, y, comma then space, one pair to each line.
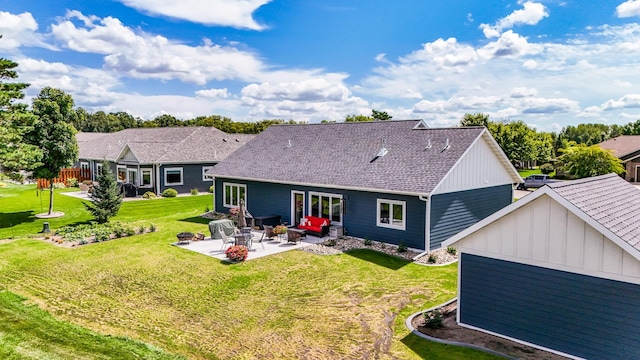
585, 161
54, 134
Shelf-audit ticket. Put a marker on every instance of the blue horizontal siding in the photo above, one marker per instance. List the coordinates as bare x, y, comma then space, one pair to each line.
454, 212
191, 178
572, 313
359, 218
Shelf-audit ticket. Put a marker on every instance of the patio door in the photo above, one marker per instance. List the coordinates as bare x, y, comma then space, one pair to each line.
132, 176
297, 207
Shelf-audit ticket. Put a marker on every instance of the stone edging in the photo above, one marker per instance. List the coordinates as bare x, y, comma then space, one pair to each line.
407, 323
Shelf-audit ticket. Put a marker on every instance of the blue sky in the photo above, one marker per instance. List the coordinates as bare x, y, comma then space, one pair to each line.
550, 63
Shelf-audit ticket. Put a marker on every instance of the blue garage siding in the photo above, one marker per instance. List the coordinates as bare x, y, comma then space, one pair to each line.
575, 314
191, 178
454, 212
359, 217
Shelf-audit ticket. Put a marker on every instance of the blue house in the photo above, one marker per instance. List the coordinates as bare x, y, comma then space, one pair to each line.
391, 181
559, 270
154, 159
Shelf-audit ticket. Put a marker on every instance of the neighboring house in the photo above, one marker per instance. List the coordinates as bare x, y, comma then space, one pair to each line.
559, 270
391, 181
627, 149
154, 159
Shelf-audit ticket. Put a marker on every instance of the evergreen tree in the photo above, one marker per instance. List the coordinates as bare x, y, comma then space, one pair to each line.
106, 199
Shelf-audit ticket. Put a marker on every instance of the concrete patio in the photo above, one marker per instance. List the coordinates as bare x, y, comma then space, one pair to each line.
215, 248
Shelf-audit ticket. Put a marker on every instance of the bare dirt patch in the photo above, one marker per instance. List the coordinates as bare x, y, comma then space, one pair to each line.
451, 331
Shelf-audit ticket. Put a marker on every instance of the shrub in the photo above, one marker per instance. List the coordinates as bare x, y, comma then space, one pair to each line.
141, 230
402, 247
206, 209
17, 176
105, 199
130, 232
330, 242
546, 168
451, 250
194, 191
433, 319
368, 242
433, 258
152, 227
211, 189
149, 195
59, 185
87, 182
237, 253
169, 193
102, 234
72, 182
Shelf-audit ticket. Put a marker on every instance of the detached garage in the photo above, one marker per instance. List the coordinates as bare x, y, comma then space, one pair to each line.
559, 270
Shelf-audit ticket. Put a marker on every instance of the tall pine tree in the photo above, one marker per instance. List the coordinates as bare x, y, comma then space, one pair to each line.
106, 199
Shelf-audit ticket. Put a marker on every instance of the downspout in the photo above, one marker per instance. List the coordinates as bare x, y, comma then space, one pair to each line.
158, 178
213, 194
427, 226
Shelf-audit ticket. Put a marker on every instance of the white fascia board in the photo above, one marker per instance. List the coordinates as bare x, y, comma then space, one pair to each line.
329, 186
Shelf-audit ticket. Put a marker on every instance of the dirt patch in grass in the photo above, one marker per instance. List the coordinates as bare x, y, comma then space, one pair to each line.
451, 331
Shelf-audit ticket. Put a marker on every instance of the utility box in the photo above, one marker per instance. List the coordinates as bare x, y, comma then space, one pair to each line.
336, 231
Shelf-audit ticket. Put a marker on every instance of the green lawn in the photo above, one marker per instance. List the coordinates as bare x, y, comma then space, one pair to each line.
291, 305
527, 172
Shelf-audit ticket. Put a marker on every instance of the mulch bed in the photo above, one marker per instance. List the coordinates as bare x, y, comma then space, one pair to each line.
451, 331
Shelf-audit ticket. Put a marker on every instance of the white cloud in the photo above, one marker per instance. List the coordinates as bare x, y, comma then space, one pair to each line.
531, 14
233, 13
628, 9
521, 92
20, 30
443, 53
509, 44
622, 83
626, 102
213, 93
308, 100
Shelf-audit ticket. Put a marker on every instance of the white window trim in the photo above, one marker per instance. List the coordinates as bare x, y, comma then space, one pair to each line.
118, 167
204, 170
390, 225
130, 170
224, 194
150, 171
329, 195
166, 170
84, 165
98, 167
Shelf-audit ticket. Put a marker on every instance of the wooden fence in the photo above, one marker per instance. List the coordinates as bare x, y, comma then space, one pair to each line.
68, 173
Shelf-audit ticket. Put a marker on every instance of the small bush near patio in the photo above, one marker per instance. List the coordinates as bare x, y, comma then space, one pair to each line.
451, 250
194, 192
149, 195
72, 182
169, 193
402, 247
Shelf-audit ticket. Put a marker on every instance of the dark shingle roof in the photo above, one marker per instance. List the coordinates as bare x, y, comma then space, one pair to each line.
609, 200
342, 155
163, 145
622, 146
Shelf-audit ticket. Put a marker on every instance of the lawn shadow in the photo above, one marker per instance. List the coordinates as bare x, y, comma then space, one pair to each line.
196, 219
8, 220
378, 258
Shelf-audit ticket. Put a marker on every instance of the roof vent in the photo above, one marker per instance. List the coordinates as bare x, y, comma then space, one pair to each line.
446, 145
289, 144
215, 154
383, 151
225, 140
237, 140
428, 145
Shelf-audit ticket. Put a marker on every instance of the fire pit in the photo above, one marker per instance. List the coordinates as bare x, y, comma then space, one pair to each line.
184, 237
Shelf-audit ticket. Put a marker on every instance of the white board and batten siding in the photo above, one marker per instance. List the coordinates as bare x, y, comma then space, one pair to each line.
479, 167
545, 233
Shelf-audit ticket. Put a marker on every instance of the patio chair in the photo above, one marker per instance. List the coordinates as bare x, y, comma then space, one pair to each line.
293, 236
228, 237
268, 233
244, 240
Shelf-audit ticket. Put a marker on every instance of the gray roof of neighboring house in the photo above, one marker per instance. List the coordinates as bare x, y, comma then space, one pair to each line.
162, 145
622, 146
343, 155
609, 200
